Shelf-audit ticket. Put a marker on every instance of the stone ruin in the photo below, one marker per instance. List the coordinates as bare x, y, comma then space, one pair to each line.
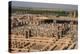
34, 32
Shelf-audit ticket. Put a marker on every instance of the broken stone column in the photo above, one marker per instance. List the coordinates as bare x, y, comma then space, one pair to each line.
74, 15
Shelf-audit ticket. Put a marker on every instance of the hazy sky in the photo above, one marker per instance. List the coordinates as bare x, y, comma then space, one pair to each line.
45, 5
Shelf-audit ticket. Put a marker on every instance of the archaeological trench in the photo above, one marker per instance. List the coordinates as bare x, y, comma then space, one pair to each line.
42, 31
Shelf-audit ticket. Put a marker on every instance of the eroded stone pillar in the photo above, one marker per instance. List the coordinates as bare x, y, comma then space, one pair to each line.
74, 15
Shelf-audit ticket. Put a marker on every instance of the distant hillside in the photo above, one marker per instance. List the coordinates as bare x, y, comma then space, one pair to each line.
50, 6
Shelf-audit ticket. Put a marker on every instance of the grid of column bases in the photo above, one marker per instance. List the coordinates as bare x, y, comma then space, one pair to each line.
35, 32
